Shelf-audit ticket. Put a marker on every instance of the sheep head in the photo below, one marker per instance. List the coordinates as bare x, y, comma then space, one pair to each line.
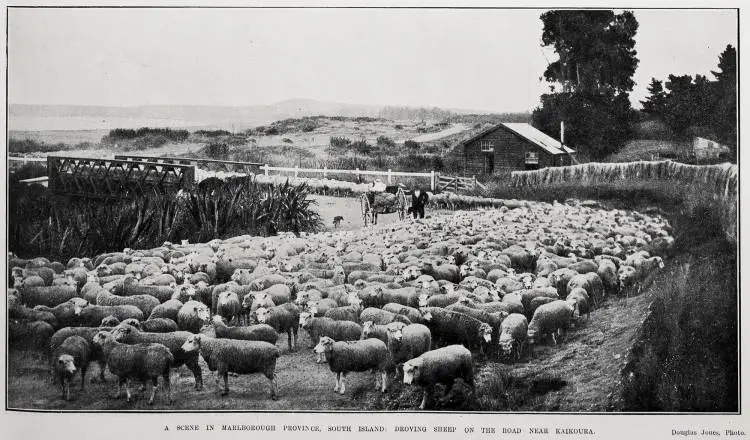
324, 345
131, 322
485, 332
412, 370
304, 319
262, 314
367, 328
193, 343
394, 333
66, 365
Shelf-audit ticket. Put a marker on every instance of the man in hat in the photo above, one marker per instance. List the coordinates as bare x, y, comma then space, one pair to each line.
418, 200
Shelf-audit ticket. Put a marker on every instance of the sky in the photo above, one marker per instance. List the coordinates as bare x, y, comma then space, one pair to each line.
489, 60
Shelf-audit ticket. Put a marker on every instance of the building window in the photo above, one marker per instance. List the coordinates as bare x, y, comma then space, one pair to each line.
487, 145
532, 158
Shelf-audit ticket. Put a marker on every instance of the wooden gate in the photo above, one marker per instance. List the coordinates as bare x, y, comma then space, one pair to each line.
458, 184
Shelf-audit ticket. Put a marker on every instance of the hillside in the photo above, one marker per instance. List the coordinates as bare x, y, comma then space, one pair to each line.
76, 117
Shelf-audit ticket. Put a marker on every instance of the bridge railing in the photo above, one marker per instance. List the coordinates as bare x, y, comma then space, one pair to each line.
108, 178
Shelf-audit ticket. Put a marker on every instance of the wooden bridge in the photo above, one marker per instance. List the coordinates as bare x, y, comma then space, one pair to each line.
108, 178
226, 165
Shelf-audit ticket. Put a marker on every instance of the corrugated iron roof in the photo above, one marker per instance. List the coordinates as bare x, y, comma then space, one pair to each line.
526, 131
550, 144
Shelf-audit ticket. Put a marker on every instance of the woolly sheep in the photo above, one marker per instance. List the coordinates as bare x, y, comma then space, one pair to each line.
17, 311
579, 299
49, 296
92, 315
413, 314
159, 325
380, 316
355, 356
553, 318
192, 316
228, 305
408, 342
168, 309
73, 354
173, 341
513, 333
235, 356
146, 303
452, 327
379, 331
448, 272
346, 313
27, 334
145, 362
284, 319
441, 366
258, 332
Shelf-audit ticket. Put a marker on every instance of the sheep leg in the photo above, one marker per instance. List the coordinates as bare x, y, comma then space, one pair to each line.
127, 390
342, 388
296, 334
120, 381
192, 364
289, 339
154, 387
167, 387
83, 375
272, 377
338, 381
66, 389
554, 339
384, 378
226, 384
425, 397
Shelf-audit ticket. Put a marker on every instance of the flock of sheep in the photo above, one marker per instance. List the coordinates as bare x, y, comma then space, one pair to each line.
416, 301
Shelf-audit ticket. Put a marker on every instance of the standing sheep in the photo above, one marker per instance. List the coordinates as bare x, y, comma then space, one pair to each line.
283, 319
228, 306
513, 333
258, 332
441, 366
355, 356
192, 316
144, 362
73, 354
553, 318
408, 342
235, 356
173, 341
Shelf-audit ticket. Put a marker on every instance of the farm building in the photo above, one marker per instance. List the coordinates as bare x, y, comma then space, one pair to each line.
510, 147
704, 149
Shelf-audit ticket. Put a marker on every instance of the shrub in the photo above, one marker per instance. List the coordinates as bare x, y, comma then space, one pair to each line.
385, 141
219, 151
212, 133
411, 145
287, 140
340, 142
41, 223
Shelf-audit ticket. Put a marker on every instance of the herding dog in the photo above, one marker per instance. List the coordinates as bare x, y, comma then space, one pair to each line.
337, 221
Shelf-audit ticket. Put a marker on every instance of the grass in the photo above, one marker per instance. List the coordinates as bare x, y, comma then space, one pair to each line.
41, 223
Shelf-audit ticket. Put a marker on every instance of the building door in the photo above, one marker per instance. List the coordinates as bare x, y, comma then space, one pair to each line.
489, 163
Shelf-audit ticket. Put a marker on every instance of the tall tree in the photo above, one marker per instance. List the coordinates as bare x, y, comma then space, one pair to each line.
592, 77
655, 102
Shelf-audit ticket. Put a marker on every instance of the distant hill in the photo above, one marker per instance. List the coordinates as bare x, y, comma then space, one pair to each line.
75, 117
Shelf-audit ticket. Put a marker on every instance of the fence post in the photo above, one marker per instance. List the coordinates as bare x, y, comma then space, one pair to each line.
265, 167
432, 181
359, 180
389, 175
475, 180
296, 171
325, 171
